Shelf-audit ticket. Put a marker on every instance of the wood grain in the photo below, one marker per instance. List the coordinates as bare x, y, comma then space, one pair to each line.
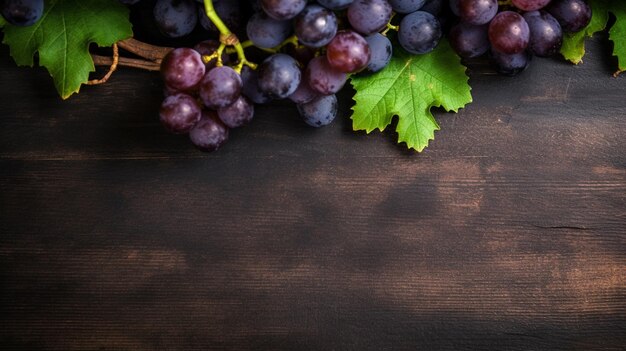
508, 233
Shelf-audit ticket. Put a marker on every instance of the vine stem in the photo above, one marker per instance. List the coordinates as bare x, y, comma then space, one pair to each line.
227, 38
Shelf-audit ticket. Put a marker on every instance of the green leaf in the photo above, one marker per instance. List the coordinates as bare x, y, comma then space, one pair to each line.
409, 87
573, 48
618, 34
63, 35
2, 22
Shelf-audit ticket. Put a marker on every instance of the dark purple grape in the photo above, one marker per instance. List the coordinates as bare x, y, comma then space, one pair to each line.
475, 11
283, 9
320, 111
323, 78
509, 33
315, 26
468, 40
210, 133
513, 64
369, 16
406, 6
530, 5
179, 113
220, 87
237, 114
251, 88
381, 49
348, 52
419, 32
303, 94
335, 4
266, 32
229, 12
279, 76
434, 7
22, 12
175, 18
182, 69
546, 35
573, 15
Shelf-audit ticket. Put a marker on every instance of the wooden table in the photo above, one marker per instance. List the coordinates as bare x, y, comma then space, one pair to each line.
508, 233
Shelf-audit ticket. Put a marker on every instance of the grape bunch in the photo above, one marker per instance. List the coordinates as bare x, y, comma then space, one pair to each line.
516, 31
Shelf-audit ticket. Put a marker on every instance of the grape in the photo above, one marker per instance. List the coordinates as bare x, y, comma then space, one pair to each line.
509, 33
320, 111
220, 87
251, 88
348, 52
381, 49
303, 94
283, 9
266, 32
210, 133
369, 16
475, 11
175, 18
530, 5
573, 15
323, 78
546, 35
513, 64
406, 6
21, 12
434, 7
237, 114
335, 4
182, 69
208, 47
179, 113
468, 40
315, 26
229, 12
279, 76
419, 32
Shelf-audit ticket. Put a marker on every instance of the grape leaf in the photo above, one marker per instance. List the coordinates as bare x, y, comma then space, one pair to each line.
62, 37
408, 88
2, 22
573, 48
618, 35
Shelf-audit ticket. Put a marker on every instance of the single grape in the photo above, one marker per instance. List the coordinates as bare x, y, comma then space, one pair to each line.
315, 26
237, 114
419, 32
279, 76
335, 4
220, 87
406, 6
323, 78
250, 79
434, 7
175, 18
210, 133
320, 111
179, 113
573, 15
304, 93
229, 12
369, 16
182, 69
381, 49
546, 35
530, 5
509, 33
283, 9
475, 11
348, 52
22, 12
468, 40
513, 64
208, 48
266, 32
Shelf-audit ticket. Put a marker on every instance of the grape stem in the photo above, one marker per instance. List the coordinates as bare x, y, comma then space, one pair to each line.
227, 38
390, 26
115, 61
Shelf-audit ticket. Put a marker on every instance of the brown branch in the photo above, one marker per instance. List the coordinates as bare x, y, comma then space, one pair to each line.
116, 58
126, 62
144, 50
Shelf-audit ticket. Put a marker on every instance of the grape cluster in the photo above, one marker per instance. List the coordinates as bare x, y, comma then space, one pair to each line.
515, 32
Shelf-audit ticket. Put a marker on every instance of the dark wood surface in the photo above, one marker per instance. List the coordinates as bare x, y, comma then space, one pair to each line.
508, 233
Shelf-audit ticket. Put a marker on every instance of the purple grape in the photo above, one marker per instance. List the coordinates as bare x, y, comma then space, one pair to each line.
266, 32
315, 26
369, 16
573, 15
509, 33
209, 134
323, 78
237, 114
279, 76
406, 6
175, 18
179, 113
251, 88
513, 64
348, 52
220, 87
283, 9
381, 49
546, 35
419, 32
22, 13
229, 12
303, 94
468, 40
335, 4
182, 69
320, 111
530, 5
475, 12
